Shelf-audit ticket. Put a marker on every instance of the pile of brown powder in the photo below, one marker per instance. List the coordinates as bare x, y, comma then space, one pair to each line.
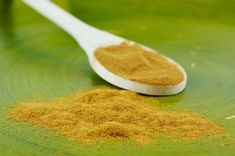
135, 63
111, 114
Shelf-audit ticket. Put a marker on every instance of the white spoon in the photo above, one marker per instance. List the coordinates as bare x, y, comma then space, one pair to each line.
90, 38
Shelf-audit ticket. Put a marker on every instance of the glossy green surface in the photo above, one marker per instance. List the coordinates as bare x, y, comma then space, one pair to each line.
39, 60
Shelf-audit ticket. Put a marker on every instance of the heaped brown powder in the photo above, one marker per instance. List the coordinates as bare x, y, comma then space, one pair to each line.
135, 63
110, 114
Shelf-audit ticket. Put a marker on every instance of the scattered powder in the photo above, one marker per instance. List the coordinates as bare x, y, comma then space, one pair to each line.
111, 114
137, 64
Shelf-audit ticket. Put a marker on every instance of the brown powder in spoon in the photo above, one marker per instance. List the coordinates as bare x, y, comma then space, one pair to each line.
135, 63
111, 114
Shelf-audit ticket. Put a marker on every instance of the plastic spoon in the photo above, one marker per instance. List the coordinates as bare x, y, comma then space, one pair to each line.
90, 38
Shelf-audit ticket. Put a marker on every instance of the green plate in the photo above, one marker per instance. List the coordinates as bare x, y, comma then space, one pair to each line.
38, 60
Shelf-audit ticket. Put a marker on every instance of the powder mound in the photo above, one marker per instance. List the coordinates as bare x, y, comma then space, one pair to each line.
111, 114
137, 64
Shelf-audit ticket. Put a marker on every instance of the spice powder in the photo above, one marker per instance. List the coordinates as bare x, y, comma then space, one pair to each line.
112, 114
137, 64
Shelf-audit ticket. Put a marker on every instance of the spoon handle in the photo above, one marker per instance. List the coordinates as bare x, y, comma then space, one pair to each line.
60, 17
87, 36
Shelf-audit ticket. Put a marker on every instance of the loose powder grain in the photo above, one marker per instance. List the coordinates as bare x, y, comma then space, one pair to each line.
111, 114
137, 64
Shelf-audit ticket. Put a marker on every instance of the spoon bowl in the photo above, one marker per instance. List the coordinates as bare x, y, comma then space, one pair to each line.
91, 38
